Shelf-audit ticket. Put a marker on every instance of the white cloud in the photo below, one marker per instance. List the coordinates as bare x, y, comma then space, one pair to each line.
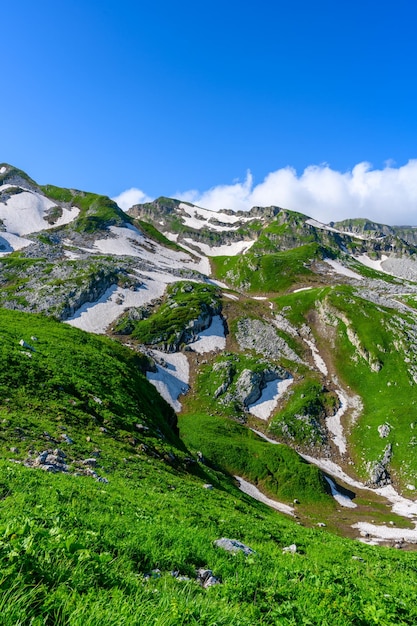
388, 195
131, 196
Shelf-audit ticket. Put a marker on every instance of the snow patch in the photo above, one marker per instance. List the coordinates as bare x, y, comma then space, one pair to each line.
3, 169
341, 269
371, 263
384, 533
334, 424
170, 381
129, 241
321, 226
232, 249
302, 289
339, 497
199, 218
10, 242
254, 492
24, 212
70, 254
263, 407
68, 215
95, 317
211, 339
320, 364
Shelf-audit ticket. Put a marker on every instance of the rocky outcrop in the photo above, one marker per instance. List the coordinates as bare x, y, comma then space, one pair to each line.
378, 471
260, 336
250, 384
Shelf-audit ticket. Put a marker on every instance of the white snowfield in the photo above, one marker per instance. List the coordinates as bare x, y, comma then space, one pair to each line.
254, 492
96, 317
371, 263
211, 339
321, 226
129, 241
232, 249
26, 212
9, 243
198, 218
170, 381
268, 401
342, 270
3, 169
400, 505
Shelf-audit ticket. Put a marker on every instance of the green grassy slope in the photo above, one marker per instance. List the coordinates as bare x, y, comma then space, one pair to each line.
75, 383
262, 273
96, 211
371, 348
75, 551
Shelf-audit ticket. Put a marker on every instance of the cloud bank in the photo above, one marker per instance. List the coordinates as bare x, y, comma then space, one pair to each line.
388, 195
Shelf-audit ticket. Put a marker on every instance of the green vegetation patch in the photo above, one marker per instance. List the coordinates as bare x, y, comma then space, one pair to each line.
261, 273
301, 419
276, 469
174, 322
295, 306
57, 379
153, 233
97, 212
219, 384
74, 552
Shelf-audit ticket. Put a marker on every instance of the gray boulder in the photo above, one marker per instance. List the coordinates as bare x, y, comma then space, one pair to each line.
233, 545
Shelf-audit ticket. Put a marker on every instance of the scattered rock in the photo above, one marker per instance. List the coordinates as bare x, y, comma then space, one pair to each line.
200, 457
233, 545
208, 486
141, 427
25, 345
178, 576
206, 578
321, 525
291, 549
49, 461
384, 430
255, 334
90, 462
67, 439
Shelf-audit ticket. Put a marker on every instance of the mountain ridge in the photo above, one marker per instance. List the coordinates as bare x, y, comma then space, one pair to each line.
231, 322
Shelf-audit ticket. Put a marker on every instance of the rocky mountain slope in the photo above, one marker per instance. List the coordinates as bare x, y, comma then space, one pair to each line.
227, 334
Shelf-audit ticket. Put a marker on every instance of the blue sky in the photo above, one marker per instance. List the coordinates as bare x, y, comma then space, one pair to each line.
178, 98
